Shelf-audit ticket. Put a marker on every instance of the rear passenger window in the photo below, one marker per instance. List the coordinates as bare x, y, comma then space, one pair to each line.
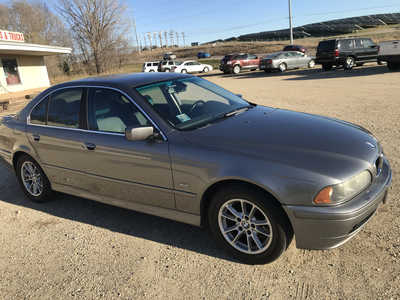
39, 113
346, 44
368, 43
358, 44
64, 108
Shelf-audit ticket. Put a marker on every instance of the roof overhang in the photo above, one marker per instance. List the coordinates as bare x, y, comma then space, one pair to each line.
14, 48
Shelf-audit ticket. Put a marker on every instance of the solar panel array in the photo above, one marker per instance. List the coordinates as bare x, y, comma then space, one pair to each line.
328, 28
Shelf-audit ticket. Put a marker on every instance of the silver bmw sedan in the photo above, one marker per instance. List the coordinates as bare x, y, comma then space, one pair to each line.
180, 147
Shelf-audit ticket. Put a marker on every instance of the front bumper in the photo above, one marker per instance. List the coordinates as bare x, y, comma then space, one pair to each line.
329, 227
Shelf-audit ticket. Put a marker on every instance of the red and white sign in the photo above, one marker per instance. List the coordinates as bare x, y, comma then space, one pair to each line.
11, 36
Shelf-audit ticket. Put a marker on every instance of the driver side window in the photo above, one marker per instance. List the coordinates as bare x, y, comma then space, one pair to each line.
110, 111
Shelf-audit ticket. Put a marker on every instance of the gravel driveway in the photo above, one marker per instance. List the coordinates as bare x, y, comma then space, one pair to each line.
76, 248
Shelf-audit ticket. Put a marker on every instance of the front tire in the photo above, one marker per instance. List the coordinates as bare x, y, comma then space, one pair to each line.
205, 70
311, 64
282, 67
249, 225
167, 70
184, 71
32, 179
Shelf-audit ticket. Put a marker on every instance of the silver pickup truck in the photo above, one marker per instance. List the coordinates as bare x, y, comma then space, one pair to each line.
390, 52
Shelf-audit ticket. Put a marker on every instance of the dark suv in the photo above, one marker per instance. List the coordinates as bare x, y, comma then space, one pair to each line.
234, 63
346, 52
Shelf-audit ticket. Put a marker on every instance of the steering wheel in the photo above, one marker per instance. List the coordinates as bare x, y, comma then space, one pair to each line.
197, 104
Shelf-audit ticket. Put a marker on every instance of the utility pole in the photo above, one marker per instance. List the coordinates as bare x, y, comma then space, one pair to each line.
290, 22
183, 38
137, 40
177, 38
171, 37
166, 38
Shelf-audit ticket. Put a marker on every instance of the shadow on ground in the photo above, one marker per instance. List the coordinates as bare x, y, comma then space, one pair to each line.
308, 74
113, 218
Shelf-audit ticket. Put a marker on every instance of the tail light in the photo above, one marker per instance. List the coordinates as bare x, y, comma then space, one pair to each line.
269, 61
337, 53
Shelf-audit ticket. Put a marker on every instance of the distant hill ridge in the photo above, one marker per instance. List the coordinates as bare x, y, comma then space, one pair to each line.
322, 29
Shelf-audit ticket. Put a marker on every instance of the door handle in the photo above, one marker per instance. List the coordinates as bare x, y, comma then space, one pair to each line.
90, 146
36, 137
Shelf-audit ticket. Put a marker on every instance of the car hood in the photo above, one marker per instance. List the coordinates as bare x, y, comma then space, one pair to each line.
324, 145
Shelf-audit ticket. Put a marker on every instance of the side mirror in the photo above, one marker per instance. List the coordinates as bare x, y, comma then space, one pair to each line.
138, 133
239, 95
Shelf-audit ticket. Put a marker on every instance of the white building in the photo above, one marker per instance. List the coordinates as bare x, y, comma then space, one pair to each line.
22, 65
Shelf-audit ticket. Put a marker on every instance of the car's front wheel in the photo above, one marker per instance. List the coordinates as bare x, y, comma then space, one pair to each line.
205, 70
33, 180
282, 67
311, 64
184, 71
249, 225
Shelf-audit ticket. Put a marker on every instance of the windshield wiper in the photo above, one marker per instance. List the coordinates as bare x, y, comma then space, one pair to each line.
236, 111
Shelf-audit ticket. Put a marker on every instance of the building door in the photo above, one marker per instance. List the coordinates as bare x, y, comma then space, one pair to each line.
10, 68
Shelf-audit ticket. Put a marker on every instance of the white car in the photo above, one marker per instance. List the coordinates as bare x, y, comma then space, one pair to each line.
192, 66
150, 66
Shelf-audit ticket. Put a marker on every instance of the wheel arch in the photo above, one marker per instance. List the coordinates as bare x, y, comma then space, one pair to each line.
212, 189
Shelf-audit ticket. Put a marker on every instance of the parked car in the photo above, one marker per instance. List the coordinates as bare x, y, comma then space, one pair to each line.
150, 66
389, 52
346, 52
297, 48
235, 63
192, 66
169, 56
180, 147
168, 65
203, 55
286, 60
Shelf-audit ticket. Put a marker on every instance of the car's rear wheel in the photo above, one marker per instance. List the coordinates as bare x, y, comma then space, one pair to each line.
282, 67
151, 71
393, 66
236, 69
167, 70
249, 225
349, 63
205, 70
32, 179
327, 67
311, 64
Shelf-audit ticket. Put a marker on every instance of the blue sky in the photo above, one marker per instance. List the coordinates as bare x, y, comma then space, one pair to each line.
207, 20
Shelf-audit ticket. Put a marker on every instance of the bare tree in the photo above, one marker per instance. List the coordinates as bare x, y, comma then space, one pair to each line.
177, 38
98, 26
160, 38
171, 37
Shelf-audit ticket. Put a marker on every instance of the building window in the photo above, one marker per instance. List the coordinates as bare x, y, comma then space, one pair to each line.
10, 68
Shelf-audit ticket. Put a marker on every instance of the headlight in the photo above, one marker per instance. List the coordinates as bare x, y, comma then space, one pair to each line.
344, 191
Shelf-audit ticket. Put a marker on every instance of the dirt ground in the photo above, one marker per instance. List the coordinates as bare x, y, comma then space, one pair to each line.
74, 248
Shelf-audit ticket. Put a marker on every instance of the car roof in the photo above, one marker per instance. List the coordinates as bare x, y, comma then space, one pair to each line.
125, 80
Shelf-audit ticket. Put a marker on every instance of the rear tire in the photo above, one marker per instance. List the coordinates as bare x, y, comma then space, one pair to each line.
167, 70
236, 69
349, 63
250, 243
205, 70
184, 71
311, 64
393, 66
282, 67
32, 179
327, 67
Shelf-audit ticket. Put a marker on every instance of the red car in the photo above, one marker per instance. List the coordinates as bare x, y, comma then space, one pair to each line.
235, 63
297, 48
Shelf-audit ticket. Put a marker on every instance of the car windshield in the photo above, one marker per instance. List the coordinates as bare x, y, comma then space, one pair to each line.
191, 102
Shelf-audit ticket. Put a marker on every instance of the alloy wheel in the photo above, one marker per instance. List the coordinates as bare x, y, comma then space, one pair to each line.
31, 178
245, 226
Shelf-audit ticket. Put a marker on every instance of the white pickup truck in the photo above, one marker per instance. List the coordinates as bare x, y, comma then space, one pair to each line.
390, 52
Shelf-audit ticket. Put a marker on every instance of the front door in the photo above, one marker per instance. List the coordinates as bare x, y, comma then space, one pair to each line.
127, 171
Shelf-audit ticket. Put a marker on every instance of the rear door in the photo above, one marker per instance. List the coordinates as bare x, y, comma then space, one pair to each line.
54, 130
253, 61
